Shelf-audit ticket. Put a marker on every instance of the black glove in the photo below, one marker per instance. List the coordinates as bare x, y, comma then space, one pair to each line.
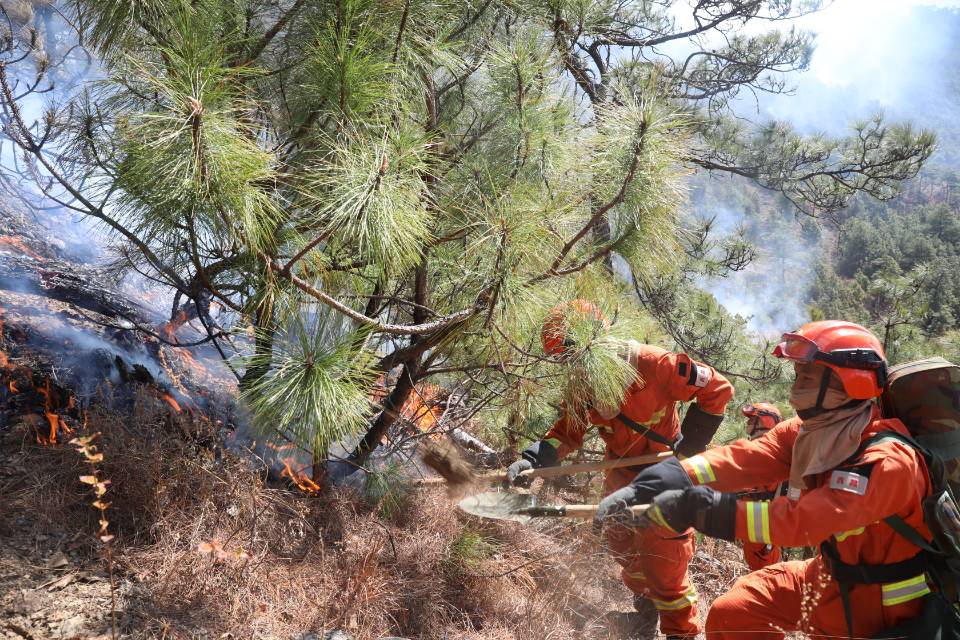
705, 509
653, 480
539, 454
513, 473
697, 431
615, 507
658, 478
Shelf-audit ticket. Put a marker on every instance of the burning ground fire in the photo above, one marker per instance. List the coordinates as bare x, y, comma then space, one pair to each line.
17, 246
56, 402
422, 411
287, 455
48, 408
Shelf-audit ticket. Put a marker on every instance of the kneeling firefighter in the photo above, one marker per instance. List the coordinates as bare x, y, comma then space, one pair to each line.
638, 420
847, 470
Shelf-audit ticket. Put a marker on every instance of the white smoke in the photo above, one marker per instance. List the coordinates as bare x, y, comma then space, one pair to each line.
871, 56
770, 292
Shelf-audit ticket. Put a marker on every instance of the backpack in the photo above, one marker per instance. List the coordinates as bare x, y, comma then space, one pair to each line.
925, 396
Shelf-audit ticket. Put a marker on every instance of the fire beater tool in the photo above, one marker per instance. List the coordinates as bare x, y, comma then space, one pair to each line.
523, 507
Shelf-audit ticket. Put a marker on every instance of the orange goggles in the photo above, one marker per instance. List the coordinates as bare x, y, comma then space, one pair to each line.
796, 347
802, 349
750, 411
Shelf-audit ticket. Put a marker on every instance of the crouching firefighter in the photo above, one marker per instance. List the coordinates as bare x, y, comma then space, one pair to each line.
857, 484
638, 420
761, 417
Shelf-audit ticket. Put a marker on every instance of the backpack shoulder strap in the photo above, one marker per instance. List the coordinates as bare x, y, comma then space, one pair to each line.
910, 534
646, 431
887, 436
934, 468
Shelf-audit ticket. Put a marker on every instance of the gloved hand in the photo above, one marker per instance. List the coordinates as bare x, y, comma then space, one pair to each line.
653, 480
541, 453
658, 478
615, 508
705, 509
513, 473
697, 430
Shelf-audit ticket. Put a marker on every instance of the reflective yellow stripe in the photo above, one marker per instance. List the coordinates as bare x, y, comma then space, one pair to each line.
843, 535
758, 521
686, 600
904, 591
702, 469
656, 515
637, 575
554, 442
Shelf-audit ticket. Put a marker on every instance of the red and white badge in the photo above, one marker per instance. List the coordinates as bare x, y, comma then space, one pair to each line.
703, 375
848, 481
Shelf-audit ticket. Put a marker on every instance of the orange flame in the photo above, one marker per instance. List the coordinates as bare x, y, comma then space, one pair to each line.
4, 361
215, 548
304, 482
423, 410
169, 399
18, 245
12, 385
169, 329
57, 424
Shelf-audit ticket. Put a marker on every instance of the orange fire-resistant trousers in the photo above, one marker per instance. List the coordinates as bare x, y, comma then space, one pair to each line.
654, 562
800, 596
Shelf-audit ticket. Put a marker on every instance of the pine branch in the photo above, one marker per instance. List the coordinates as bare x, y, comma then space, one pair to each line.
272, 32
424, 328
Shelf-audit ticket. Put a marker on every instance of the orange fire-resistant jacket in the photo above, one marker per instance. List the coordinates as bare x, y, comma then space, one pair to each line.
847, 503
663, 379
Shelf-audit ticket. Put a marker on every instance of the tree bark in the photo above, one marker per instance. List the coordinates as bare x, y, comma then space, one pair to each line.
391, 409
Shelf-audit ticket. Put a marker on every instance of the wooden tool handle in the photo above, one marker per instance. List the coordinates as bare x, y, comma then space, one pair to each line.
600, 465
567, 469
587, 511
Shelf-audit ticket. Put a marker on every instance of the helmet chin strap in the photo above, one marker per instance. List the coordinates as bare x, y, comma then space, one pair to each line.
818, 409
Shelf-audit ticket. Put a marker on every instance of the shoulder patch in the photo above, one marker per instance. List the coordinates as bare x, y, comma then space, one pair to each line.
849, 481
700, 375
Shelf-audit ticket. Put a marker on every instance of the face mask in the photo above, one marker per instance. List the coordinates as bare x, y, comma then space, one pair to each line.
806, 388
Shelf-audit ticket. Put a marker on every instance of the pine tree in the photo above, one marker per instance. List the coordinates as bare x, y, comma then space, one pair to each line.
400, 190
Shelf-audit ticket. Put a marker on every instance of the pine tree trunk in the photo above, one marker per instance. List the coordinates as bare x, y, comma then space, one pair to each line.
391, 409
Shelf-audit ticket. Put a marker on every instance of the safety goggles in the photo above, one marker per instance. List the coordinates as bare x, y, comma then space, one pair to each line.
751, 411
802, 349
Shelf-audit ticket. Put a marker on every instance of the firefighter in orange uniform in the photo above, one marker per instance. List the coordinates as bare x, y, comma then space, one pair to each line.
654, 560
761, 417
846, 471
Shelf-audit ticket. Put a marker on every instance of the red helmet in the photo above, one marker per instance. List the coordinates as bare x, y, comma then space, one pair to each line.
767, 415
557, 324
851, 351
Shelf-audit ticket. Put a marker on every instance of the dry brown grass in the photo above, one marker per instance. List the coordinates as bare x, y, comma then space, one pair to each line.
205, 545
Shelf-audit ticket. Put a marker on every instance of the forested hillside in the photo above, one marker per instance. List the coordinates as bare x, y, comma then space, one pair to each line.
891, 265
894, 265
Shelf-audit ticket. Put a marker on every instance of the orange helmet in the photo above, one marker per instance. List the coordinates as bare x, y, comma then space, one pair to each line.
556, 325
766, 414
853, 353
